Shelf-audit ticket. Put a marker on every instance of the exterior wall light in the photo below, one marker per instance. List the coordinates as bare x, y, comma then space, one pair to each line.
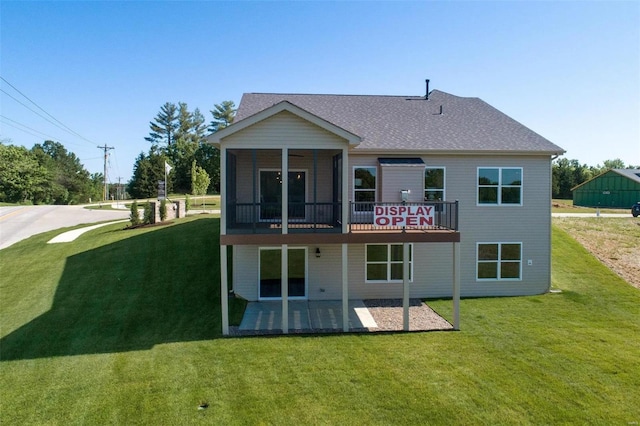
317, 251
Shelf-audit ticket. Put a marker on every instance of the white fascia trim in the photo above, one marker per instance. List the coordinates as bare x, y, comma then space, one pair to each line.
216, 138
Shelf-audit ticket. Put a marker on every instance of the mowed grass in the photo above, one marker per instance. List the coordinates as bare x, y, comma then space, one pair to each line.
566, 206
123, 327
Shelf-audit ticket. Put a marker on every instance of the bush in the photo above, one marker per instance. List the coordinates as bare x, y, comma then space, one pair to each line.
148, 214
187, 203
163, 210
134, 217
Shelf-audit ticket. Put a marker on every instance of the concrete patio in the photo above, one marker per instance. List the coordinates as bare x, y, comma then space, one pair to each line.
265, 317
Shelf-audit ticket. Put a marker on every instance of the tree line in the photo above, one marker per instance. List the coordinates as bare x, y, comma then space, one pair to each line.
177, 138
49, 174
567, 174
45, 174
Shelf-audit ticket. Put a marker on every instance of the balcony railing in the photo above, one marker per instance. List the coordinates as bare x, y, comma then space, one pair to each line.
267, 217
425, 216
327, 217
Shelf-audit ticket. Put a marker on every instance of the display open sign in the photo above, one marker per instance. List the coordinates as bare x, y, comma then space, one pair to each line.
402, 215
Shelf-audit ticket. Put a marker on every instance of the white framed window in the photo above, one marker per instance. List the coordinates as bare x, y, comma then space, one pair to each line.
500, 186
434, 184
499, 262
364, 187
384, 263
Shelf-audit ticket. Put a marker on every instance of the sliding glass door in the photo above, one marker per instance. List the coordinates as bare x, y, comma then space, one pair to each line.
271, 195
271, 273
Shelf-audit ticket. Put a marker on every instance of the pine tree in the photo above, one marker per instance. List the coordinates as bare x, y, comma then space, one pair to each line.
164, 127
223, 115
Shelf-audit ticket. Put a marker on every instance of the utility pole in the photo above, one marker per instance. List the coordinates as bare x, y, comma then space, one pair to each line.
105, 192
120, 192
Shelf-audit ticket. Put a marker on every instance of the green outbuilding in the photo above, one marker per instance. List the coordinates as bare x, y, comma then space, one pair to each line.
619, 188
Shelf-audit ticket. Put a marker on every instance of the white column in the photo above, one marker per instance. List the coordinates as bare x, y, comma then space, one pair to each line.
223, 191
224, 293
456, 286
345, 190
345, 287
284, 276
405, 286
285, 190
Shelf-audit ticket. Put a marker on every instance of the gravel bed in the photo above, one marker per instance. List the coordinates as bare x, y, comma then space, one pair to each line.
388, 315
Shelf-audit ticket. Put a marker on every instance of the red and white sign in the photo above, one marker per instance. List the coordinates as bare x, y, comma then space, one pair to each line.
400, 215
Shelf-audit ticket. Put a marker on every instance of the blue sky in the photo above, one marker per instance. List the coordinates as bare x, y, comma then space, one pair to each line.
569, 70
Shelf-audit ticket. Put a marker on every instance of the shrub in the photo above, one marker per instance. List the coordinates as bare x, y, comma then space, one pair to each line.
187, 203
148, 214
163, 210
134, 217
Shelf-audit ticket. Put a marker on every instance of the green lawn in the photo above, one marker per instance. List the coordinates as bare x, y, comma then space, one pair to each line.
566, 206
123, 327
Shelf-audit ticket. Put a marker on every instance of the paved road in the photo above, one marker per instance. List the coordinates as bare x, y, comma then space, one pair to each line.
19, 223
591, 215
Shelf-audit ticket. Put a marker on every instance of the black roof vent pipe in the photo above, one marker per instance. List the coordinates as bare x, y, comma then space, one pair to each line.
426, 96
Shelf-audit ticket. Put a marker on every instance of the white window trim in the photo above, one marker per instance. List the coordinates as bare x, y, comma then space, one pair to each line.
500, 186
388, 262
306, 272
499, 261
353, 186
444, 181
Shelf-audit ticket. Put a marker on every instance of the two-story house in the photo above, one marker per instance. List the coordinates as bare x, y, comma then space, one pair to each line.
338, 197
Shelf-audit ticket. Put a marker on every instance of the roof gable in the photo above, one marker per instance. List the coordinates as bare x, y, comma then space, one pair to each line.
631, 174
273, 110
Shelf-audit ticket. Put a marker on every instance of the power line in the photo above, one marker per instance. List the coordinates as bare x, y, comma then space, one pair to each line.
60, 124
23, 130
32, 130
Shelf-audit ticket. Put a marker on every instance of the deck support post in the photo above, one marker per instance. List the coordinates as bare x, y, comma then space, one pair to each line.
284, 275
405, 286
224, 292
345, 191
345, 287
284, 278
456, 286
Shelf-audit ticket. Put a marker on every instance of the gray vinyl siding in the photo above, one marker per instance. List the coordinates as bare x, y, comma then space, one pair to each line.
432, 274
324, 274
395, 179
529, 224
245, 272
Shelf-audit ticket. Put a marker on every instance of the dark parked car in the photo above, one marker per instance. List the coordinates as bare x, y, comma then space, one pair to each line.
635, 209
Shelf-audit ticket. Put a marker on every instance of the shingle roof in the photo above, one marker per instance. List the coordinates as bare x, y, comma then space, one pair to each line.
633, 174
408, 123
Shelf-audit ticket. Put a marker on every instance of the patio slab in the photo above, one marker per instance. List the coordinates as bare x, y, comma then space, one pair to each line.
265, 317
305, 316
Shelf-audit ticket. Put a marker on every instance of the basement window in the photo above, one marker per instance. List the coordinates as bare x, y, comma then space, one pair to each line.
384, 263
499, 262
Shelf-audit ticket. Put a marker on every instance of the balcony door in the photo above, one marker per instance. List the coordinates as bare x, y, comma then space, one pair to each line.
271, 195
270, 286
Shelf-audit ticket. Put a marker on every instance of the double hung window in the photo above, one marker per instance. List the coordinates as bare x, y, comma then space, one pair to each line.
384, 262
364, 187
500, 185
434, 184
499, 261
